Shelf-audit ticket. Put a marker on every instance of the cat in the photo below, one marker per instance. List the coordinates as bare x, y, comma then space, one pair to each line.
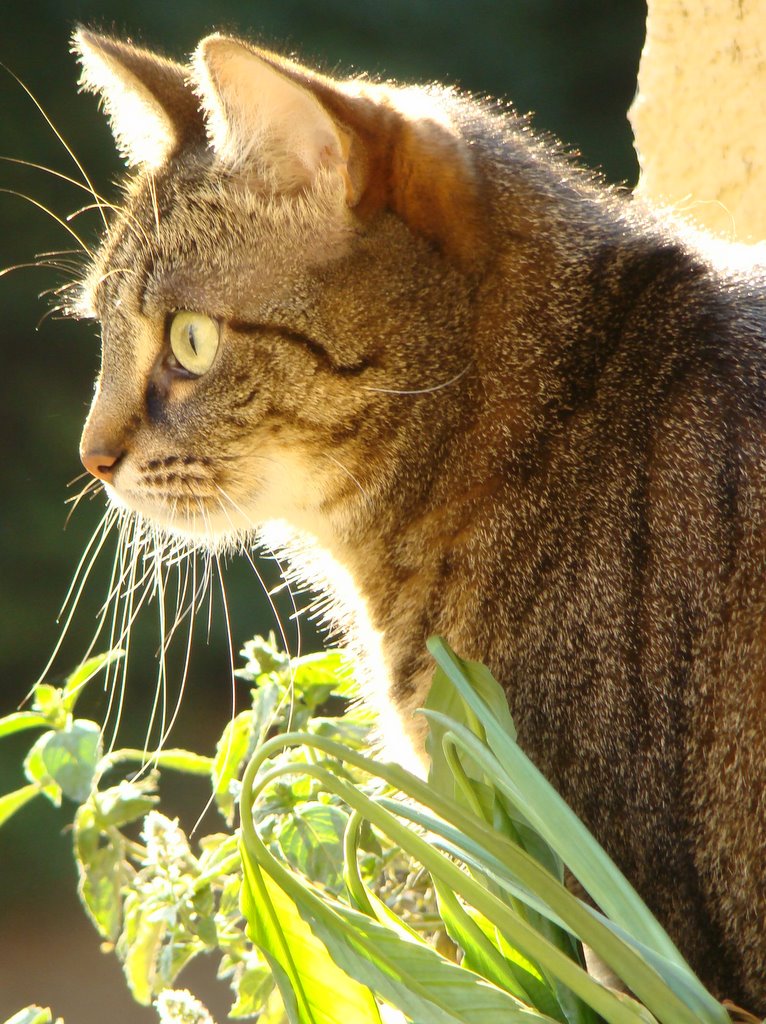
471, 391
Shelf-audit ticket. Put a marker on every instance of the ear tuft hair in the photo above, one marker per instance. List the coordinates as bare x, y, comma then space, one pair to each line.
257, 114
151, 109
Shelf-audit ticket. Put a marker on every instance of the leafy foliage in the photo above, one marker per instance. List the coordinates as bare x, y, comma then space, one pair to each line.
352, 890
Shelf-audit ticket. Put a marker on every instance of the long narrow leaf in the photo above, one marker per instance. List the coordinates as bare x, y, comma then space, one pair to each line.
21, 720
313, 988
521, 935
549, 814
12, 802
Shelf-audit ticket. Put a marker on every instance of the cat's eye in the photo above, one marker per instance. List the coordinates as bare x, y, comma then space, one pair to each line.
194, 340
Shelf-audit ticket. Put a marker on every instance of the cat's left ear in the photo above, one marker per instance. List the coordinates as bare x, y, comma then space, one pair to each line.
257, 114
152, 110
390, 149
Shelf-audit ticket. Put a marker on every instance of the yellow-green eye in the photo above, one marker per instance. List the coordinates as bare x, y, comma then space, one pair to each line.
194, 340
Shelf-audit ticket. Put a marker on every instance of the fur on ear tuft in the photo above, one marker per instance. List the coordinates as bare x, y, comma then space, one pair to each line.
256, 114
151, 109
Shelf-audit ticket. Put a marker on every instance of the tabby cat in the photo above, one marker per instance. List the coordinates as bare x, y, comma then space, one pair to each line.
470, 391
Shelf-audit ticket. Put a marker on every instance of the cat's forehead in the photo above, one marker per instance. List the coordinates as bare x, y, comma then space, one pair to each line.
193, 236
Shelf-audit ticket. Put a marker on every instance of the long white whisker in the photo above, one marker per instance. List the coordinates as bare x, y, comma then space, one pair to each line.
60, 137
44, 208
421, 391
230, 644
98, 538
348, 473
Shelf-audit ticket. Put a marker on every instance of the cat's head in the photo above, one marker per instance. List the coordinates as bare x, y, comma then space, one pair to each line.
292, 254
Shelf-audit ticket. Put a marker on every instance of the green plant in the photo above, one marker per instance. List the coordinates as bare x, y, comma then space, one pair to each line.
351, 884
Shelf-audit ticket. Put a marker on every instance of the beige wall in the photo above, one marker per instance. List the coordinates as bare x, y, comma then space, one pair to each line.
699, 117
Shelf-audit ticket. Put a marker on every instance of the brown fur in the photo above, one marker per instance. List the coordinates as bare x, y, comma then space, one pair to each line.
486, 398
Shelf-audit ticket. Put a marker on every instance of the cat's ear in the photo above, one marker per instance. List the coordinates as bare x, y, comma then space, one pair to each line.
258, 114
152, 110
394, 148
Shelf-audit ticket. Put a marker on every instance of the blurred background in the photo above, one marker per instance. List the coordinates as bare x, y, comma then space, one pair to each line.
572, 63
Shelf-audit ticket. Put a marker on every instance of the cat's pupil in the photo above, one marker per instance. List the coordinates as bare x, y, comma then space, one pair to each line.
192, 343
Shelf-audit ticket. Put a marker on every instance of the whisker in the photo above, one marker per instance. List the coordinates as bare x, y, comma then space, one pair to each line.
348, 473
44, 208
101, 202
42, 264
98, 537
59, 136
91, 488
233, 678
421, 391
191, 558
155, 204
290, 694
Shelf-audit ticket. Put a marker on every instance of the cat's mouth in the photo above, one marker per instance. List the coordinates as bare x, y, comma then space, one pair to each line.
208, 516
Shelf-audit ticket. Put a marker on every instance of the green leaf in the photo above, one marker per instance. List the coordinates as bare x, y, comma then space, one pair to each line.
311, 839
31, 1015
175, 759
70, 757
48, 701
36, 770
470, 930
12, 802
139, 947
126, 802
515, 775
262, 656
314, 989
316, 676
253, 987
102, 866
21, 720
83, 674
231, 750
266, 697
404, 971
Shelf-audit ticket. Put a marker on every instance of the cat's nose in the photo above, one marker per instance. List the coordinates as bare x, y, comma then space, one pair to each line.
101, 464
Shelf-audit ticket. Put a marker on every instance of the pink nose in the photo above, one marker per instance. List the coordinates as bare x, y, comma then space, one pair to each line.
100, 464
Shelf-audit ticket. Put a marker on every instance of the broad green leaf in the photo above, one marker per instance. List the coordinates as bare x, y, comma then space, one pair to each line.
12, 802
311, 839
266, 697
31, 1015
70, 757
316, 676
342, 730
49, 702
102, 875
37, 772
21, 720
314, 989
83, 674
253, 987
126, 802
406, 972
139, 947
231, 750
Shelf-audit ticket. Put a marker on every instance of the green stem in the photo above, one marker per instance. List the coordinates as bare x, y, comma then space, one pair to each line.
518, 932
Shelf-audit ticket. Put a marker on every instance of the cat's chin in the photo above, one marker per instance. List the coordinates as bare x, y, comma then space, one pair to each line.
189, 521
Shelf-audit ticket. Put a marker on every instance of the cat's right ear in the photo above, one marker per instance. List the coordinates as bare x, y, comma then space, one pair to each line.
152, 110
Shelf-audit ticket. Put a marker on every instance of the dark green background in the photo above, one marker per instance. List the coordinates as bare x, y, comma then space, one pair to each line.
572, 63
